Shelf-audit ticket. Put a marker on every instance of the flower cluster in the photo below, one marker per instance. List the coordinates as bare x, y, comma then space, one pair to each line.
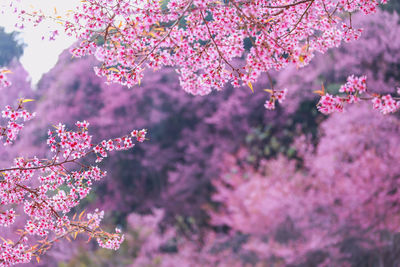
12, 254
328, 104
275, 95
385, 104
350, 34
111, 241
354, 85
7, 217
14, 118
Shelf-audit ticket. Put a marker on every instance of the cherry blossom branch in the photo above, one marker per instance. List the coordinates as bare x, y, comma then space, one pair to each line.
355, 90
47, 205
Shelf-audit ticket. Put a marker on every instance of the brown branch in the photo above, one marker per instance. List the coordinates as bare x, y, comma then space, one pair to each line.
281, 6
216, 46
163, 38
298, 22
41, 167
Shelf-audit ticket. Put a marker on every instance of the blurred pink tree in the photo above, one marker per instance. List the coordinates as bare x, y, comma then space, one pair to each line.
346, 192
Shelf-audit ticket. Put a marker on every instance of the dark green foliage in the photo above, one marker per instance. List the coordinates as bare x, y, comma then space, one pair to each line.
392, 6
10, 47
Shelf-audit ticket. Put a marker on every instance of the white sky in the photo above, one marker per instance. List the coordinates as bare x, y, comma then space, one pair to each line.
39, 55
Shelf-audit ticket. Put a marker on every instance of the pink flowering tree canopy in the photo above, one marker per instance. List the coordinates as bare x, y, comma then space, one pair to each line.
212, 43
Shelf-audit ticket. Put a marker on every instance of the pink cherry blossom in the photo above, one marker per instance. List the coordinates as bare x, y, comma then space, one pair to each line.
128, 37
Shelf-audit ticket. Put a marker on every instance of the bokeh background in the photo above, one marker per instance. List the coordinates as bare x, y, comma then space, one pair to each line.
222, 181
